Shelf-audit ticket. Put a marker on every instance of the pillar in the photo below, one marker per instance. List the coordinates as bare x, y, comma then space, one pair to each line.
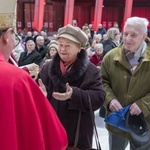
39, 14
69, 12
98, 13
128, 11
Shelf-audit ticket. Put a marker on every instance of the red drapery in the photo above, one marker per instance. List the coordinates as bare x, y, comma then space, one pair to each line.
38, 14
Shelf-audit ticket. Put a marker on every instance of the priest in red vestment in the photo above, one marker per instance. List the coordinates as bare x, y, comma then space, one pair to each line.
28, 121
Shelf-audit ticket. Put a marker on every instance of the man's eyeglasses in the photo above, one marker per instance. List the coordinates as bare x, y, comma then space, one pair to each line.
17, 39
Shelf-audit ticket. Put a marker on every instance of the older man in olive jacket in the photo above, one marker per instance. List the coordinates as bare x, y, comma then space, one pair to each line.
126, 80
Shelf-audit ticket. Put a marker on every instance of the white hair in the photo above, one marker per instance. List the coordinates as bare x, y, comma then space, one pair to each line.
40, 38
98, 46
99, 36
138, 21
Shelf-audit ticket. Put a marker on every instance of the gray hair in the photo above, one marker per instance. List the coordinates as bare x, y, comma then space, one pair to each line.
30, 41
29, 33
138, 21
98, 46
40, 38
99, 36
2, 31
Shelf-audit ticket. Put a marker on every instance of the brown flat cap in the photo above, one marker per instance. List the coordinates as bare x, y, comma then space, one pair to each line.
74, 34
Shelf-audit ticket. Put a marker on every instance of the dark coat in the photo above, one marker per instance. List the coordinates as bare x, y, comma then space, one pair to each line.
33, 57
101, 31
108, 45
85, 80
42, 50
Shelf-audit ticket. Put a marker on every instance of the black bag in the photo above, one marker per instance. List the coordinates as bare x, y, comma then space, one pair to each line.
102, 112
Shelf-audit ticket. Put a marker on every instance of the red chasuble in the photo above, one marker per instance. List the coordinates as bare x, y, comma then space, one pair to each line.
27, 120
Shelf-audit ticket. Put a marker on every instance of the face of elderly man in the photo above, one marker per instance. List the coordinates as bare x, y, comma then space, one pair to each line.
40, 41
30, 46
133, 37
68, 50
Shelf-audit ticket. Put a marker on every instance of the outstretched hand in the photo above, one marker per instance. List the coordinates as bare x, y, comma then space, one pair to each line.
33, 69
42, 87
64, 96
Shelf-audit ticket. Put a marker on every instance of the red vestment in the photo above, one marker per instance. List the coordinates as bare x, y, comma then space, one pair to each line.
27, 120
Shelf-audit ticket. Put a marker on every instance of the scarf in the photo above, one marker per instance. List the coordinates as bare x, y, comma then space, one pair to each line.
65, 66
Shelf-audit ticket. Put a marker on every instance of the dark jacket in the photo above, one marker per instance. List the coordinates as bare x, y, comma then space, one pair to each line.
33, 57
42, 50
108, 45
101, 31
85, 80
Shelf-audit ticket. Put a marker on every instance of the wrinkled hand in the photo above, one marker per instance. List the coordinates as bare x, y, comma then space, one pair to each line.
134, 109
33, 69
64, 96
42, 87
115, 105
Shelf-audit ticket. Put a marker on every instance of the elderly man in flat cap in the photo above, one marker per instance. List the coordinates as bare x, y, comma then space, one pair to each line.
69, 80
28, 122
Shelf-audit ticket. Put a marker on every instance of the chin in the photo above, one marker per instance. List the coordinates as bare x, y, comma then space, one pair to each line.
64, 60
128, 48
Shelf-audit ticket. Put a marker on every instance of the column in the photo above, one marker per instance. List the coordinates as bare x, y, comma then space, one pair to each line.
69, 12
98, 13
38, 14
128, 11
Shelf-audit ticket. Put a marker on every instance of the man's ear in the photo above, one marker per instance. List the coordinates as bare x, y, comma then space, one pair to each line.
145, 36
5, 36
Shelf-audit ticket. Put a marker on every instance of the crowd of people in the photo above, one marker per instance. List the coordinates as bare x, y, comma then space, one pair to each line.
76, 70
41, 44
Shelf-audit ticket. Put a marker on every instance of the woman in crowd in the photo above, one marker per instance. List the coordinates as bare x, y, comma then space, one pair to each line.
113, 40
96, 58
53, 47
90, 50
70, 79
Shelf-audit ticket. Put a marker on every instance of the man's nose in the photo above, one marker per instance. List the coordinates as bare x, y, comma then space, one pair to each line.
128, 37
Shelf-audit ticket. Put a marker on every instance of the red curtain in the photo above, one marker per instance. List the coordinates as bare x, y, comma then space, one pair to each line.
141, 12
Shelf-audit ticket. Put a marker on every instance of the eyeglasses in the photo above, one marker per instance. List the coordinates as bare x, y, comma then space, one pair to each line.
17, 39
117, 34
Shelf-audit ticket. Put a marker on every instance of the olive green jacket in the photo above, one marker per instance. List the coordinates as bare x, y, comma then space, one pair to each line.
121, 84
